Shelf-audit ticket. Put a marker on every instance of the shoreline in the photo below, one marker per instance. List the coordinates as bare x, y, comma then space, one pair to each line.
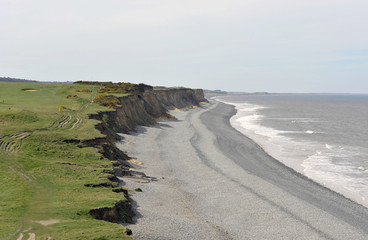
212, 182
297, 165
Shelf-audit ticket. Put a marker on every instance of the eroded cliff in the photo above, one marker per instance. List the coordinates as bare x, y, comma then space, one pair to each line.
142, 108
145, 107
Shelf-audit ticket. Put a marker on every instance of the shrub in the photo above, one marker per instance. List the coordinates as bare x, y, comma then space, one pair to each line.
91, 82
121, 87
118, 88
83, 90
109, 101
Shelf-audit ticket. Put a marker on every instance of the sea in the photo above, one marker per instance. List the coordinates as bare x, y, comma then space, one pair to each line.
323, 136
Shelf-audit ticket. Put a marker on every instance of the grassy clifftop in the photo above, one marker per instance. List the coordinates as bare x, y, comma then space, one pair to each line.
46, 171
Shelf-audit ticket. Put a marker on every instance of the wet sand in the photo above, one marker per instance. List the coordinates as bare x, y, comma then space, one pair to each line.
212, 182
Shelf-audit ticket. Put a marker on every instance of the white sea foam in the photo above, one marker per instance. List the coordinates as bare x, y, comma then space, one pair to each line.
343, 178
247, 121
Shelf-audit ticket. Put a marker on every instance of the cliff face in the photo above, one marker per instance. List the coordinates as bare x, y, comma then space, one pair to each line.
180, 98
145, 108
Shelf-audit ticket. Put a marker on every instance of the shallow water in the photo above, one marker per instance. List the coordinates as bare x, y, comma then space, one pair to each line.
324, 137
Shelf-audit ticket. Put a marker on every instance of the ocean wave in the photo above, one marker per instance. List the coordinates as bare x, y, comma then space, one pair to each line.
325, 163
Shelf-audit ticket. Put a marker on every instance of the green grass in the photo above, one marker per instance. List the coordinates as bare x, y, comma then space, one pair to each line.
42, 175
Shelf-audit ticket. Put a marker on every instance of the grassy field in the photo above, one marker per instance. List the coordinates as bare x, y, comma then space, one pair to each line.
42, 175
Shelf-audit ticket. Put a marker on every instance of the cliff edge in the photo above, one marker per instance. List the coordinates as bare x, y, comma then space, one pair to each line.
144, 106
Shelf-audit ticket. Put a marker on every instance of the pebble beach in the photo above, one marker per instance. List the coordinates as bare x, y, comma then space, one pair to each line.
211, 182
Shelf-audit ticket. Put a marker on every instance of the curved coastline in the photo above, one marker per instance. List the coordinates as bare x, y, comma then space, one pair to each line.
215, 183
298, 167
278, 162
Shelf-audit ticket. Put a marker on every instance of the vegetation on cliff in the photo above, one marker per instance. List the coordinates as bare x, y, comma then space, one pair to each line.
109, 101
51, 165
116, 88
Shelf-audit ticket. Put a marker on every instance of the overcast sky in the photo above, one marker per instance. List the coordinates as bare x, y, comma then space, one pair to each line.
242, 45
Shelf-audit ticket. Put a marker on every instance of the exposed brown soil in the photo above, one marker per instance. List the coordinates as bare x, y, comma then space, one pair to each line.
121, 212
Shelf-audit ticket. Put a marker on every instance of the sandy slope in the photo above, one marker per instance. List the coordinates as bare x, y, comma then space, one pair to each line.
214, 183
